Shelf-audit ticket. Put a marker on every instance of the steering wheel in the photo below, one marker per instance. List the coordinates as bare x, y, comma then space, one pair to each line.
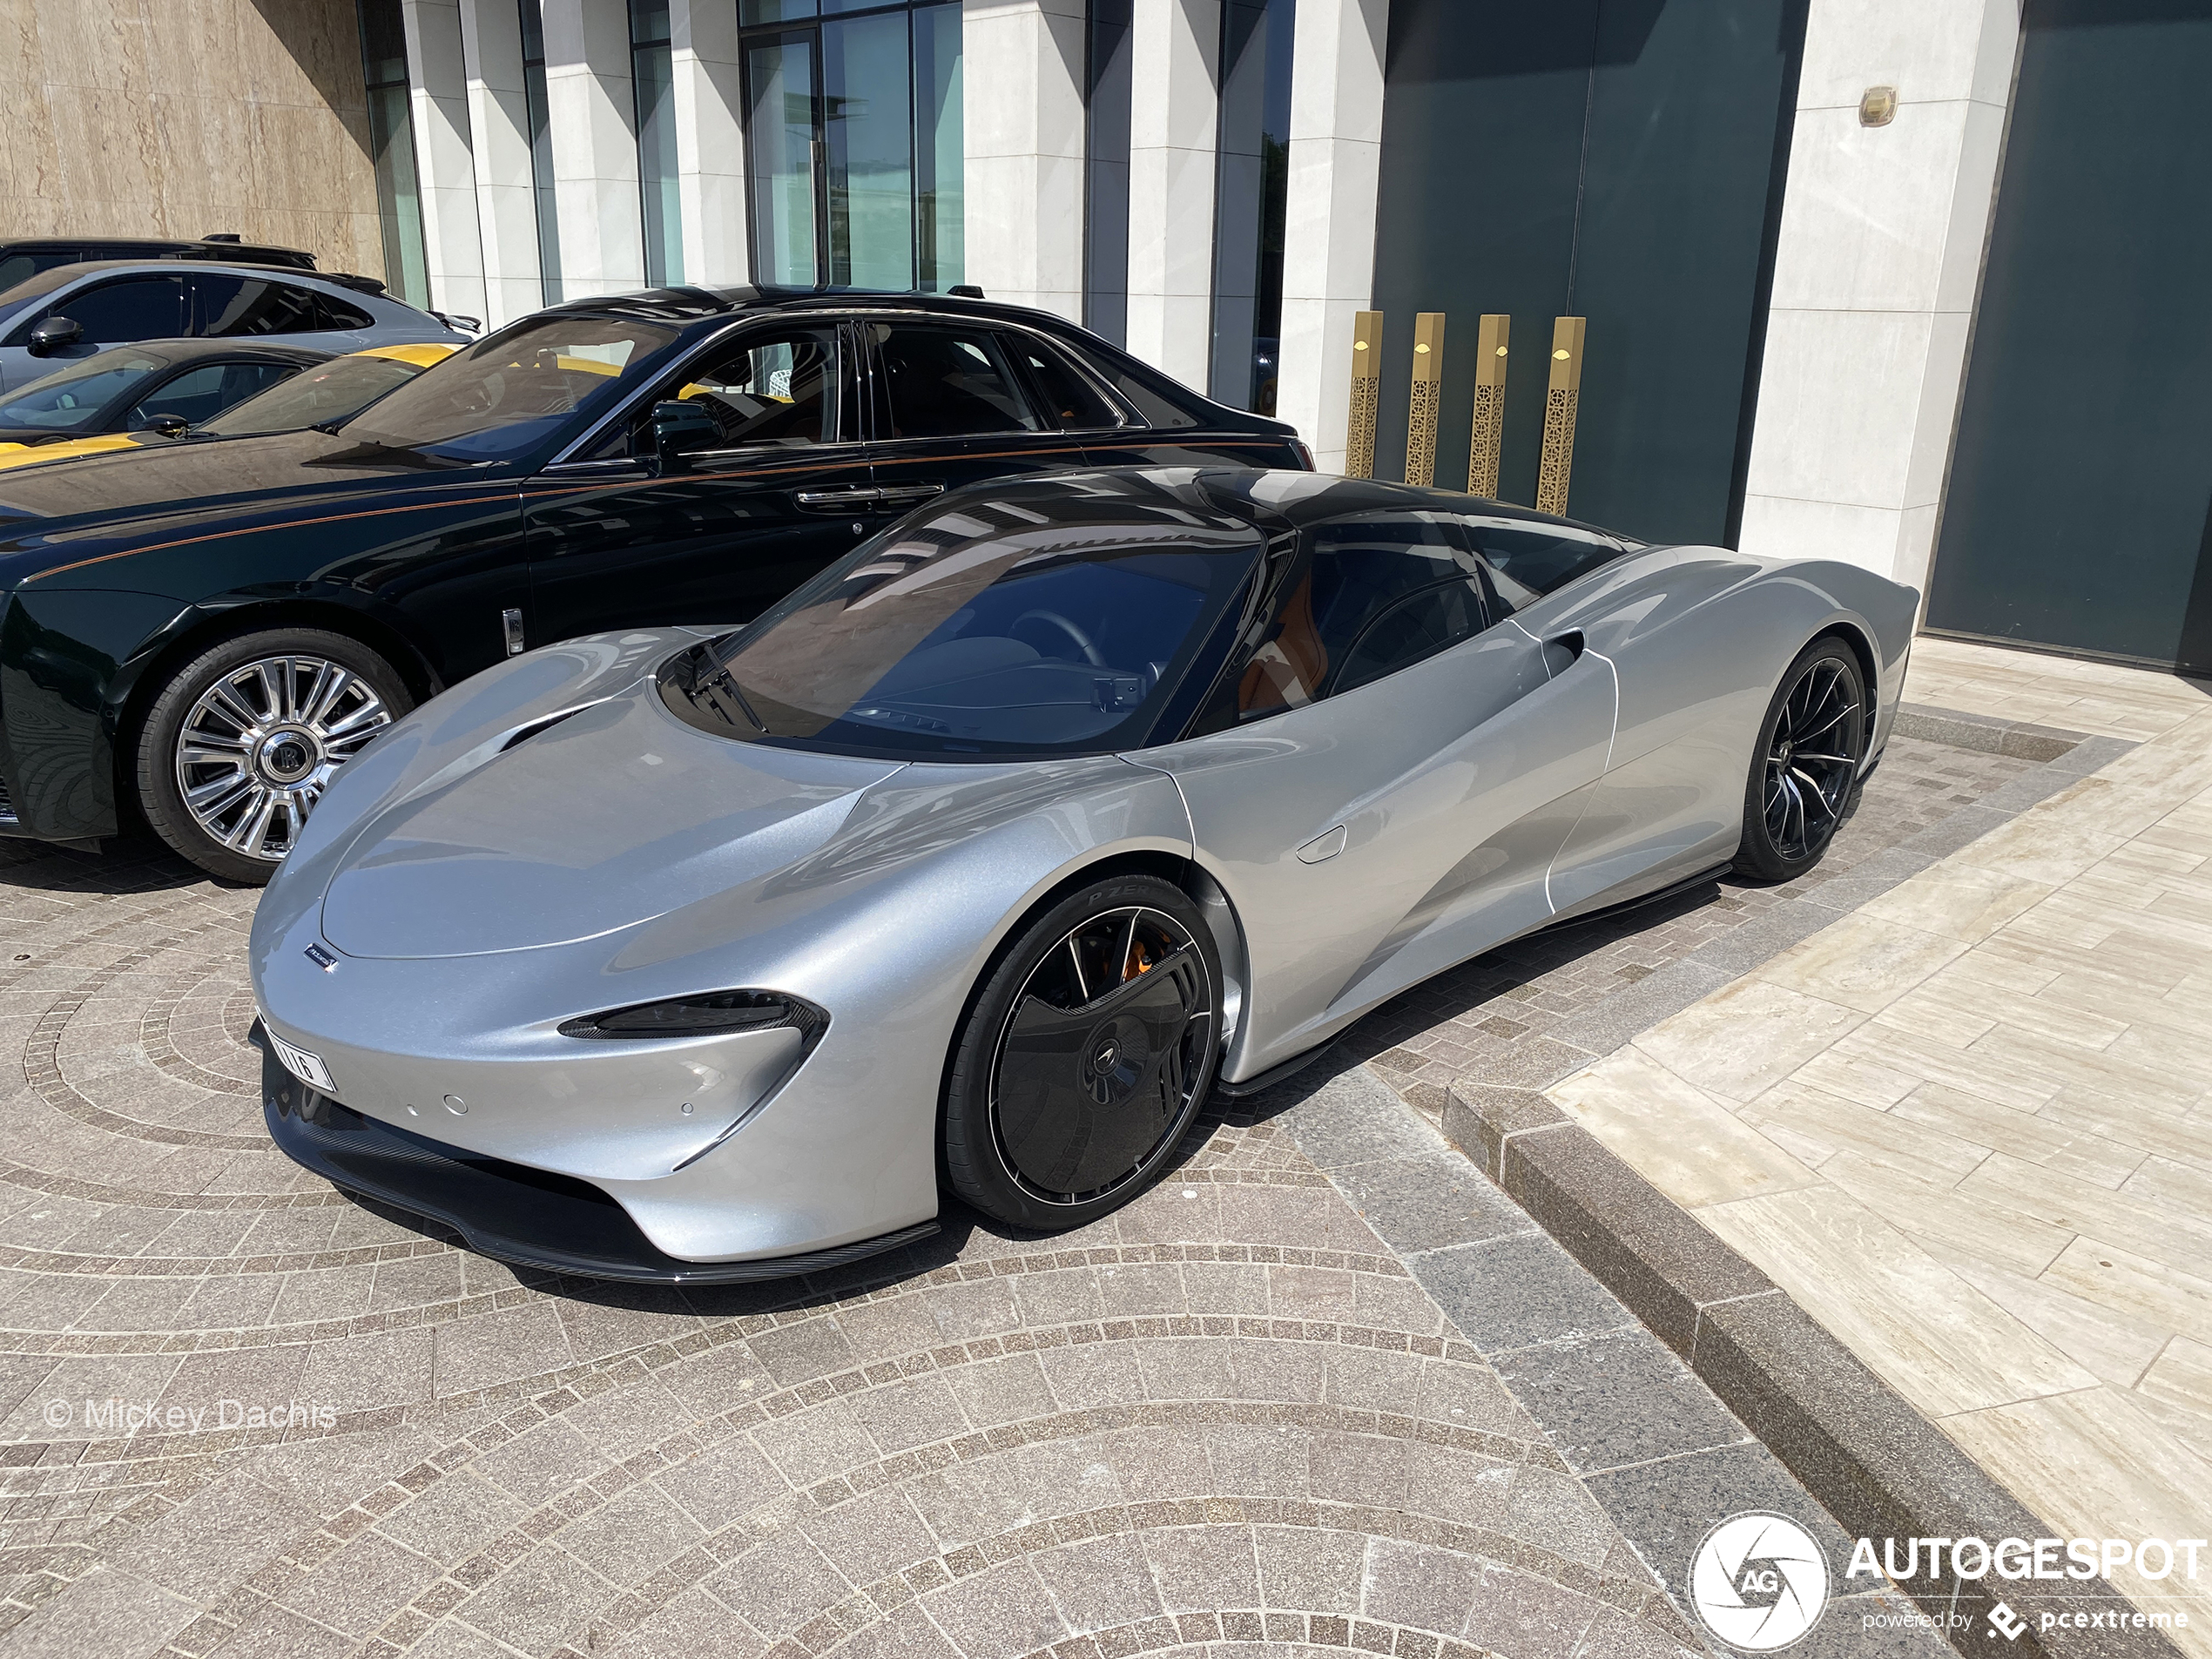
1081, 639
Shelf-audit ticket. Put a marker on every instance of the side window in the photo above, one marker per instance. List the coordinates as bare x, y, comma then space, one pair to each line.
333, 313
779, 389
947, 383
229, 307
1530, 558
202, 393
1372, 594
1070, 402
114, 314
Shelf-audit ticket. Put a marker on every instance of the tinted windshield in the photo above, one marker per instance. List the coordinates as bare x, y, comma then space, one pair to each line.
67, 399
328, 391
989, 629
505, 397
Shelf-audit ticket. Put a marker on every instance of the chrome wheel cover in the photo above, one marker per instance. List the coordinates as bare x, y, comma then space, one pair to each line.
1101, 1059
262, 742
1810, 760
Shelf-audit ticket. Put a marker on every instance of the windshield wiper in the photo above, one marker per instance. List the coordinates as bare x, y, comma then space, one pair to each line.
329, 428
724, 678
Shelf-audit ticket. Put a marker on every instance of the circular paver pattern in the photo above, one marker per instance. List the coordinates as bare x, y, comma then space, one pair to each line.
1225, 1420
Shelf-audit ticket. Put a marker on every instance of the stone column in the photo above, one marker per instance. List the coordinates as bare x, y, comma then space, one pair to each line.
1022, 68
438, 101
1875, 276
591, 111
709, 142
1175, 108
491, 41
1329, 220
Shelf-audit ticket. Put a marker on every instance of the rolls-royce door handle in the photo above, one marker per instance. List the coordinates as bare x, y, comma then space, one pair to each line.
842, 498
906, 494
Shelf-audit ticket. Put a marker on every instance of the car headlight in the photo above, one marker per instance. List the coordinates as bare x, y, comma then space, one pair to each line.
710, 1014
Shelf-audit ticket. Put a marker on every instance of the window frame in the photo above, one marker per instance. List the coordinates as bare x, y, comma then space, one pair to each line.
1068, 360
848, 414
877, 391
59, 306
314, 309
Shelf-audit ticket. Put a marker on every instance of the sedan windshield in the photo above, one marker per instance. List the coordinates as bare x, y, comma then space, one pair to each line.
64, 401
988, 629
328, 391
505, 397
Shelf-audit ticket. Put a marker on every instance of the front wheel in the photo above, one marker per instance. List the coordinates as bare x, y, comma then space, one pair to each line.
1085, 1056
1804, 773
241, 744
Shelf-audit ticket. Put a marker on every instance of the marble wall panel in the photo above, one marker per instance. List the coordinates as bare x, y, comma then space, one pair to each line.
177, 117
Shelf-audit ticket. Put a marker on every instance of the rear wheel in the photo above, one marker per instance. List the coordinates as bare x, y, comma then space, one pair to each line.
1804, 773
241, 744
1085, 1056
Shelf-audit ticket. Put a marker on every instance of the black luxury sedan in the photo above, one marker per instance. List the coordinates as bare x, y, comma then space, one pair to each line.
203, 634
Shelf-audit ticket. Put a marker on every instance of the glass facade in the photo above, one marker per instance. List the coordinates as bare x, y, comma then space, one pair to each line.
1107, 80
391, 135
652, 76
854, 139
549, 213
1250, 190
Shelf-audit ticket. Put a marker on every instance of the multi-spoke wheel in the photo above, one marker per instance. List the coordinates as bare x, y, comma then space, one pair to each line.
1085, 1056
241, 745
1805, 773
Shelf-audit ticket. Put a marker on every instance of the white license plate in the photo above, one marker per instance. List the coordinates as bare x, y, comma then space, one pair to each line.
306, 1067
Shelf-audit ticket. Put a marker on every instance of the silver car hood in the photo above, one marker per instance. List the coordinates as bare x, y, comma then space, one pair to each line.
610, 816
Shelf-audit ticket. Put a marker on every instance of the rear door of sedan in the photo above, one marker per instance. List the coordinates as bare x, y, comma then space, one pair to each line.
1386, 777
761, 481
952, 404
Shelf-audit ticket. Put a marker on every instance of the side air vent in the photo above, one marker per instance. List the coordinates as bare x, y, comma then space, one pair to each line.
7, 804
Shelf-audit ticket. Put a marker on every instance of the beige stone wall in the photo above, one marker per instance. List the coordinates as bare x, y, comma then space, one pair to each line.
179, 117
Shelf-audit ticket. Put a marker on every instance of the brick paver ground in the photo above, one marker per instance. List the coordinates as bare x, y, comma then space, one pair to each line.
1324, 1389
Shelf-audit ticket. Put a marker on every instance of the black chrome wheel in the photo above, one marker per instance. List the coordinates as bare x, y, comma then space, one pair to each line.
1085, 1056
1806, 771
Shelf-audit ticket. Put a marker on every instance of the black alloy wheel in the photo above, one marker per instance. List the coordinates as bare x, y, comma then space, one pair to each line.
1804, 775
1085, 1056
242, 741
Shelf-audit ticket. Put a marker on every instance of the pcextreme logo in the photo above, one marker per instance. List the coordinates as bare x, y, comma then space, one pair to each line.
1759, 1581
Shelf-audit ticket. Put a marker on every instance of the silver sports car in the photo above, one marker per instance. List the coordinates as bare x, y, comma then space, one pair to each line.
978, 860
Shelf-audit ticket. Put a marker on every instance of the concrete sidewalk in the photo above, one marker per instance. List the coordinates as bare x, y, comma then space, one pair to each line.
1967, 1126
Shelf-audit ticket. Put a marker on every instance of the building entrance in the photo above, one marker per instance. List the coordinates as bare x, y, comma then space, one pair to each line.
2078, 511
1620, 160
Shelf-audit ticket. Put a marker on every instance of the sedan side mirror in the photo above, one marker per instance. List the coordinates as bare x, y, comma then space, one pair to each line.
168, 426
54, 334
678, 429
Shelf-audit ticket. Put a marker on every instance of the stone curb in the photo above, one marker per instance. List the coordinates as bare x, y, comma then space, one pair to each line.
1879, 1467
2019, 738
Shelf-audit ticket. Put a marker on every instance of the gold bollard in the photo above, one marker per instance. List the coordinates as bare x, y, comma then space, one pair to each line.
1489, 434
1427, 398
1366, 393
1558, 415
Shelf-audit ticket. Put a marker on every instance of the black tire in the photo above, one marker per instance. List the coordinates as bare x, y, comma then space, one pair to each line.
318, 699
1065, 1098
1804, 772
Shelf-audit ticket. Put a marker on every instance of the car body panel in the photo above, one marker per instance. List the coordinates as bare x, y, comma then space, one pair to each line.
1453, 781
423, 562
1341, 851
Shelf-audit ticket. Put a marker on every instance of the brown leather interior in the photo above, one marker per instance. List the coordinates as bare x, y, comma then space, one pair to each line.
1290, 667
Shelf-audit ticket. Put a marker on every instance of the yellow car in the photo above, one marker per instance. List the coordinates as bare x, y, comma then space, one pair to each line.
323, 389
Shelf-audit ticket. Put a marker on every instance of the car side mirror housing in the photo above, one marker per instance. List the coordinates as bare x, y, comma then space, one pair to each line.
54, 334
679, 428
168, 426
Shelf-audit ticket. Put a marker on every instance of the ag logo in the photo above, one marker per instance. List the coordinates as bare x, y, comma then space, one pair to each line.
1759, 1581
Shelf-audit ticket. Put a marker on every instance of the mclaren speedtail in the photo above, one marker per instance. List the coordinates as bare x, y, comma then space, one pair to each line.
979, 859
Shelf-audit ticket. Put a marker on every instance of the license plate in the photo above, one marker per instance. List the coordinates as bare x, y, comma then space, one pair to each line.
306, 1067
